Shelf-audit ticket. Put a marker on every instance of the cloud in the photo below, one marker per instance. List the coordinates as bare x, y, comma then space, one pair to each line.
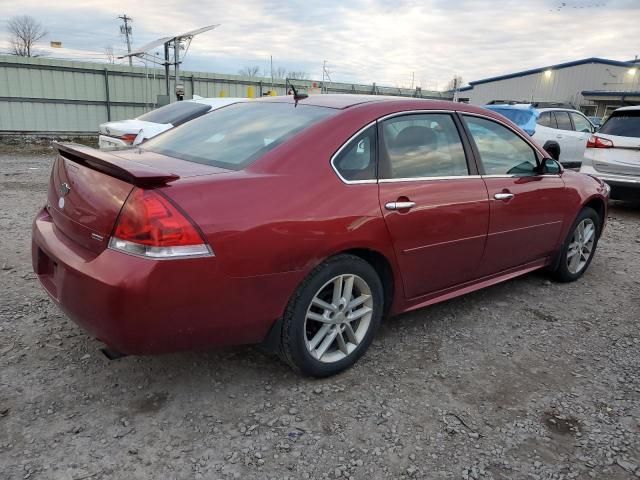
383, 41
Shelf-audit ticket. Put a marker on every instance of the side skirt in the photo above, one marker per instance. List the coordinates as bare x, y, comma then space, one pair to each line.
472, 286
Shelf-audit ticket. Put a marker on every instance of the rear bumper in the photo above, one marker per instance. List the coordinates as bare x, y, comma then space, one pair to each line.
622, 186
140, 306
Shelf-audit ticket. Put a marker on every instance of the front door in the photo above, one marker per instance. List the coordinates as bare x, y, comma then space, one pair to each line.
526, 208
434, 203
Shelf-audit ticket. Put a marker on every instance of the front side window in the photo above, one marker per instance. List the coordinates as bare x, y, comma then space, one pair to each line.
581, 123
564, 122
502, 152
357, 160
235, 136
421, 145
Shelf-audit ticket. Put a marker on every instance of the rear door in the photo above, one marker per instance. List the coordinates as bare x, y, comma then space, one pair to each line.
434, 203
623, 158
526, 208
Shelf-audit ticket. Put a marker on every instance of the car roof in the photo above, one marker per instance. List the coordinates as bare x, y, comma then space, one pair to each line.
339, 101
559, 109
219, 101
625, 109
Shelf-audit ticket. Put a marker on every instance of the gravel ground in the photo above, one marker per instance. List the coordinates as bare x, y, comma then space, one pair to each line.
528, 379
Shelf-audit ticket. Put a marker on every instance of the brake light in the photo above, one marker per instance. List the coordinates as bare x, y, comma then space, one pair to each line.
128, 137
599, 142
150, 226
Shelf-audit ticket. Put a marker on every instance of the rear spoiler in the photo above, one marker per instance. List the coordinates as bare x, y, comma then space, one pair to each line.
135, 173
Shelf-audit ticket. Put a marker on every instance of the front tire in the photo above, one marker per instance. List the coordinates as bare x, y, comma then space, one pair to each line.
579, 247
332, 317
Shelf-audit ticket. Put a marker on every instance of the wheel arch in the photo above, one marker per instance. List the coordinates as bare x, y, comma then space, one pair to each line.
383, 268
597, 204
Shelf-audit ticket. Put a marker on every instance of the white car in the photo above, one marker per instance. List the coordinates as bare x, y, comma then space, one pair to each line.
570, 128
125, 133
613, 153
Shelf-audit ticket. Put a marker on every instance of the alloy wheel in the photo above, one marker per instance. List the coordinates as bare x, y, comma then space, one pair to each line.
338, 318
581, 246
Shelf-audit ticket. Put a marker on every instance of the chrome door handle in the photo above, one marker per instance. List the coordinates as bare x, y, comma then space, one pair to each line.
503, 196
399, 205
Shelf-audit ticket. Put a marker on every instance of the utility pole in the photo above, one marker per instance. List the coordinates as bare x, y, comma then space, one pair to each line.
126, 31
271, 57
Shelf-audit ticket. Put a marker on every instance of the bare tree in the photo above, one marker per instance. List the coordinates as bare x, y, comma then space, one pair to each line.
279, 72
108, 52
298, 75
250, 71
455, 83
24, 32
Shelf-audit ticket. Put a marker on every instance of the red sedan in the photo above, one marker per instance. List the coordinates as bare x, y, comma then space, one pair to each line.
302, 222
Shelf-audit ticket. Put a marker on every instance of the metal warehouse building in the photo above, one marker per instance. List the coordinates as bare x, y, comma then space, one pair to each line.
596, 86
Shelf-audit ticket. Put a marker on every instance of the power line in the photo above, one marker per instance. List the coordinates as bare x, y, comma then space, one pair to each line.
126, 31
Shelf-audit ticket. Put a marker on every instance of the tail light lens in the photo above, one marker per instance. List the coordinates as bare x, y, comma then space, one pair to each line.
150, 226
128, 137
599, 142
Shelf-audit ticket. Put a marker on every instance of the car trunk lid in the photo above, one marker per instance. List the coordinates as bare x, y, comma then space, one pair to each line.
88, 188
621, 159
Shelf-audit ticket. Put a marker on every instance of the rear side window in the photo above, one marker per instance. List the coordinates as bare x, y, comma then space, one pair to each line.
502, 151
234, 136
423, 145
357, 160
176, 113
563, 120
623, 124
547, 120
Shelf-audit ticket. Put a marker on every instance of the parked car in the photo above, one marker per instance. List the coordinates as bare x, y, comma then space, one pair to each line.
125, 133
570, 128
613, 153
301, 222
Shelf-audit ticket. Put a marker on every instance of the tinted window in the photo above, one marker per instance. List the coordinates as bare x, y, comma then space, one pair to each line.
502, 151
176, 113
426, 145
357, 160
563, 120
581, 123
234, 136
547, 120
623, 124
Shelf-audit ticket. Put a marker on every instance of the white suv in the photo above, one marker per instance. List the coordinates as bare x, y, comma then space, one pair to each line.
570, 128
613, 154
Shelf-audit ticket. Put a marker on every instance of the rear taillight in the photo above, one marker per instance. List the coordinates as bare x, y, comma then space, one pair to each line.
599, 142
150, 226
128, 137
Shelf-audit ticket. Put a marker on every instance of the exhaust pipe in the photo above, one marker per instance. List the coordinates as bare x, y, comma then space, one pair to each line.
112, 354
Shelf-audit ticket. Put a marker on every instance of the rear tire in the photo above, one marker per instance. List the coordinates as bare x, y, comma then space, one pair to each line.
579, 247
332, 317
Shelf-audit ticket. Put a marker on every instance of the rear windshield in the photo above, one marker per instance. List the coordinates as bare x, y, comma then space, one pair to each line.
622, 124
176, 113
234, 136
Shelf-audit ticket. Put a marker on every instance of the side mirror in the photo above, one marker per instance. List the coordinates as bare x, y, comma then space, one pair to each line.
550, 166
553, 149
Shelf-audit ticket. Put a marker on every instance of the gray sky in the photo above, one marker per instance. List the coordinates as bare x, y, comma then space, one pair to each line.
363, 41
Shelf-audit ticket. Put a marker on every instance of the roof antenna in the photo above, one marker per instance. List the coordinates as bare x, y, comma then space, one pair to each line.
297, 96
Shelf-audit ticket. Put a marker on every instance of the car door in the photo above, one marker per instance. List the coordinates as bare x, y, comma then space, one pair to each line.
434, 203
568, 139
526, 207
583, 129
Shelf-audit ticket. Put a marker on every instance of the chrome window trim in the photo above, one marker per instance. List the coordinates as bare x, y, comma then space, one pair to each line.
423, 179
428, 179
344, 145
